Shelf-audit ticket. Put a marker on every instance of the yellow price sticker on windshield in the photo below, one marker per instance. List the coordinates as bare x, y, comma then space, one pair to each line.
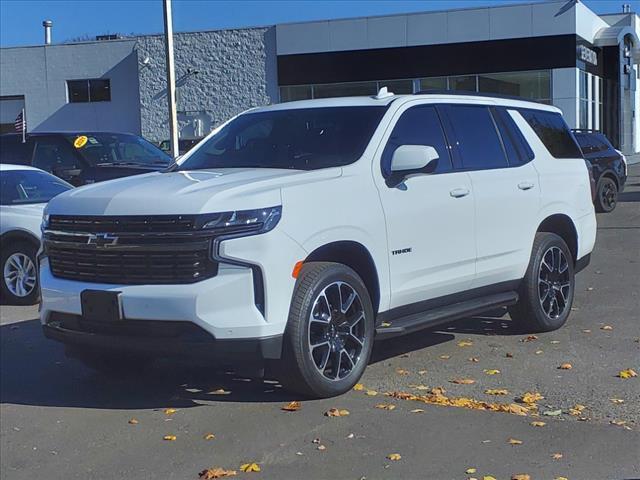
80, 142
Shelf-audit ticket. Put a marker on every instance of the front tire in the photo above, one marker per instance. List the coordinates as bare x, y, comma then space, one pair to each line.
19, 274
330, 330
607, 195
546, 292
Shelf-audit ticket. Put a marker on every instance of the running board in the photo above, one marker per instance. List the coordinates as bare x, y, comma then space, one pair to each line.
437, 316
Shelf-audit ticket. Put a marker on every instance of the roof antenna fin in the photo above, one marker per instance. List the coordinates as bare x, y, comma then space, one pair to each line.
384, 93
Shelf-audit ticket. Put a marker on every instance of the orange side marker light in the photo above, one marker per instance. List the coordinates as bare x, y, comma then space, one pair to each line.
296, 269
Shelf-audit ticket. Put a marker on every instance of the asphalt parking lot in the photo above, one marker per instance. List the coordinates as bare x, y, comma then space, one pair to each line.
61, 420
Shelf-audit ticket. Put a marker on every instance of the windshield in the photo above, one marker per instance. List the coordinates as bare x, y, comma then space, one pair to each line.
301, 139
117, 149
20, 187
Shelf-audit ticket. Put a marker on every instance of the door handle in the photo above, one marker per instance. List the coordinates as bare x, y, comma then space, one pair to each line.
525, 185
459, 192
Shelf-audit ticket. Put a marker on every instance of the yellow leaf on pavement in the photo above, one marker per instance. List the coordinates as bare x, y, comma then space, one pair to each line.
445, 357
394, 457
169, 411
471, 470
386, 406
335, 412
561, 478
497, 391
565, 366
530, 398
358, 387
537, 423
520, 476
209, 436
606, 327
250, 467
133, 421
417, 410
292, 406
401, 371
514, 441
628, 373
491, 371
371, 393
488, 477
617, 401
557, 456
463, 381
216, 472
465, 343
169, 438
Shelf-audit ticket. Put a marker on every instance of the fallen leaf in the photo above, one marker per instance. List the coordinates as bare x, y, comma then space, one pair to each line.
561, 478
386, 406
322, 448
628, 373
555, 342
497, 391
445, 357
351, 435
586, 330
438, 391
552, 413
133, 421
508, 355
530, 398
402, 371
606, 327
358, 387
292, 406
216, 472
170, 411
334, 412
520, 476
394, 457
620, 423
529, 338
491, 371
209, 436
371, 393
537, 423
385, 324
469, 471
539, 352
577, 410
462, 402
589, 289
422, 372
617, 401
557, 456
420, 387
417, 410
169, 438
250, 467
488, 477
474, 359
463, 381
220, 391
465, 343
514, 441
565, 366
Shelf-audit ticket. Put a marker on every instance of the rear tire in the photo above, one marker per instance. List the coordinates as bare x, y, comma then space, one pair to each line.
330, 330
547, 289
606, 196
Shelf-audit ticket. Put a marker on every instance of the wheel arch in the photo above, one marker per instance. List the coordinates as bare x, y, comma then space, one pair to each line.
357, 257
563, 226
16, 236
612, 175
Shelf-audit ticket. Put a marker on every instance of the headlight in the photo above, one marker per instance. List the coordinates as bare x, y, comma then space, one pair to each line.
45, 221
243, 221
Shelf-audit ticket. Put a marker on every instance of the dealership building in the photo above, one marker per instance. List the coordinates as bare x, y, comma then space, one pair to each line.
555, 52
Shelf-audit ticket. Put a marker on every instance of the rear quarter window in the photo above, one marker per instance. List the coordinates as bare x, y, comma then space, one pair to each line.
553, 132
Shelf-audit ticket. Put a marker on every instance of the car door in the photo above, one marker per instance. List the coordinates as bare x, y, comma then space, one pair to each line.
430, 218
56, 156
505, 185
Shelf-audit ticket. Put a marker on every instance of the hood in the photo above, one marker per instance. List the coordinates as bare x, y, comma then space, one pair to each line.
185, 192
27, 210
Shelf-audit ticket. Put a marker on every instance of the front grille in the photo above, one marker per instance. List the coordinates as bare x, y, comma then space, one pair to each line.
139, 255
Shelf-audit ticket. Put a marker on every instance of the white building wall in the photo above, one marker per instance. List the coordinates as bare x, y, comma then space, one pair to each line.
565, 84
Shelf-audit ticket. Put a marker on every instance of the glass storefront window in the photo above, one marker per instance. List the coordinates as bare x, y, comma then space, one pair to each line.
433, 83
345, 89
298, 92
397, 86
535, 85
465, 83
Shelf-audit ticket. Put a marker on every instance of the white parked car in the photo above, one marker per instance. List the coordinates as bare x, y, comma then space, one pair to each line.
298, 233
24, 192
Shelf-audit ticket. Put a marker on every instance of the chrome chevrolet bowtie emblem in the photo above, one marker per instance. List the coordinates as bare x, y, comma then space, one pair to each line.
102, 240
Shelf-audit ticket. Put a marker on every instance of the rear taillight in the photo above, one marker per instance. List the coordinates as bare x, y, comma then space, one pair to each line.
592, 181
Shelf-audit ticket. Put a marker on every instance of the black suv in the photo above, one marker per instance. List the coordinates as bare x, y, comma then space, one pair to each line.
84, 157
608, 166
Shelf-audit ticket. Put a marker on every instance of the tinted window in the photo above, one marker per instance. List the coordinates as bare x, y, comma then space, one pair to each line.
54, 153
553, 132
302, 139
117, 148
12, 150
476, 137
29, 186
92, 90
518, 150
418, 126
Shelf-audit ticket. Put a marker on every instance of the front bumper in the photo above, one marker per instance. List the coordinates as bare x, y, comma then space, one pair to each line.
159, 339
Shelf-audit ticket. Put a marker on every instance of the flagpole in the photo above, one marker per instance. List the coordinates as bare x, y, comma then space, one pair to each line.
24, 126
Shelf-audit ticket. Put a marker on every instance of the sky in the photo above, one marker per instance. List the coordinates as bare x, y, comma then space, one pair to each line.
21, 20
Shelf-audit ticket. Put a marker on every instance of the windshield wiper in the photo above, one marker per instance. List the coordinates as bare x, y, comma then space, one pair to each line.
120, 164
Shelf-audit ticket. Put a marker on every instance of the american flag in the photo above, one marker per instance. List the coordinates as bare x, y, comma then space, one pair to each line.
20, 123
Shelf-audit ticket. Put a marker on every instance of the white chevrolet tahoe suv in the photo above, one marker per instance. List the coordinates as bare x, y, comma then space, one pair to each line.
295, 235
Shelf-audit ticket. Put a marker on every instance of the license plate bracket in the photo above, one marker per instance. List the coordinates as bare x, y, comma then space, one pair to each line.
101, 306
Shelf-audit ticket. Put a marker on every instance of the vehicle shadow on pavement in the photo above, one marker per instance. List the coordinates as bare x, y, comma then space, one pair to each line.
35, 371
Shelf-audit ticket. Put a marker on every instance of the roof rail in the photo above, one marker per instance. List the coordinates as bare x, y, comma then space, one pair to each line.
477, 94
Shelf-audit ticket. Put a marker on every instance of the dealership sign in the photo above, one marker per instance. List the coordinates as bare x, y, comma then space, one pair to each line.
587, 55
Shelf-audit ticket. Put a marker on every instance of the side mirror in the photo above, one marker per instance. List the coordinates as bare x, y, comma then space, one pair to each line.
411, 160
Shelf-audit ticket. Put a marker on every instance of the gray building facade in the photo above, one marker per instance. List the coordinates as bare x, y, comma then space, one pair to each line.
556, 52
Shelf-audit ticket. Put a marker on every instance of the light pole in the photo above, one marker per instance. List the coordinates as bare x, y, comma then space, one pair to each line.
171, 79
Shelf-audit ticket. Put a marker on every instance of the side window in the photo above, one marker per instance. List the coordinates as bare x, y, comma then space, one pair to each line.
553, 132
518, 150
418, 126
13, 151
476, 138
54, 153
